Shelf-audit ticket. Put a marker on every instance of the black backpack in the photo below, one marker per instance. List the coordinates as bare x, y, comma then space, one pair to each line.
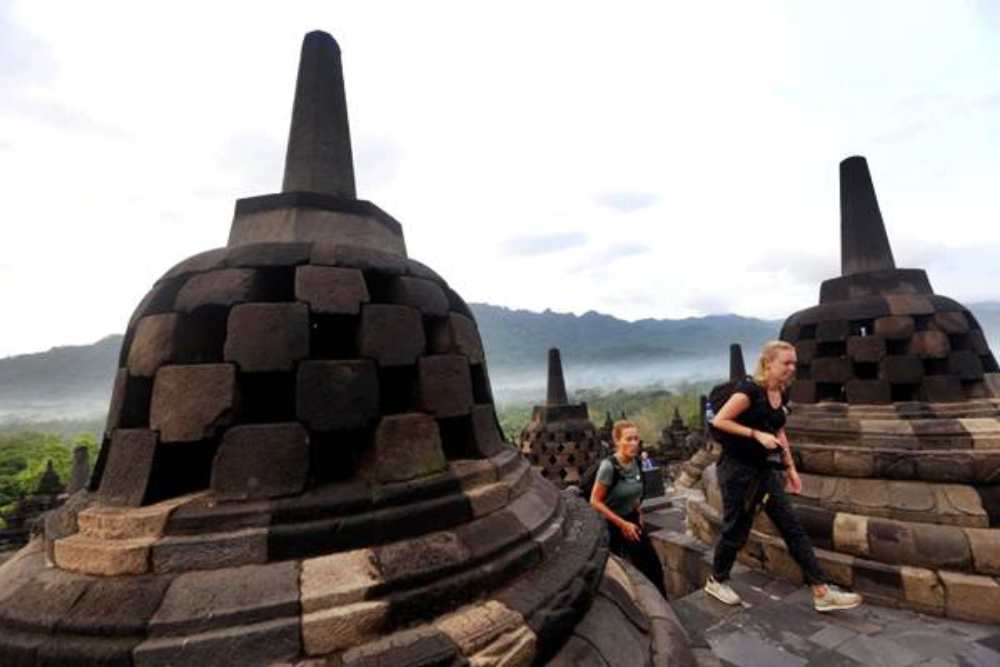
717, 398
590, 476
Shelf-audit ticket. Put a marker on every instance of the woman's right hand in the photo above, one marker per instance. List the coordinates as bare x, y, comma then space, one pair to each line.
766, 439
630, 531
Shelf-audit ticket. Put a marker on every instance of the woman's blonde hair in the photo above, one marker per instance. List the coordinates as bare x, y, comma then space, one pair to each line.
767, 354
619, 428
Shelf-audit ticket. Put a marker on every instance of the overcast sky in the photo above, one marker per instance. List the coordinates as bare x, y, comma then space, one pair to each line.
639, 159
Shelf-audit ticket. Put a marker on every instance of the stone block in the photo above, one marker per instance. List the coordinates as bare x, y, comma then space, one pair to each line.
941, 547
909, 304
333, 395
868, 392
116, 406
930, 345
952, 322
892, 541
850, 534
108, 558
115, 606
941, 389
225, 287
406, 446
895, 327
156, 342
901, 370
805, 351
423, 645
803, 391
839, 567
778, 562
415, 558
197, 552
262, 337
985, 547
192, 403
966, 365
338, 579
341, 628
866, 349
515, 648
444, 385
330, 253
923, 590
200, 601
424, 295
977, 342
268, 254
122, 523
833, 331
831, 369
485, 431
971, 597
475, 627
261, 461
43, 599
487, 499
391, 335
266, 643
880, 583
331, 290
129, 466
458, 335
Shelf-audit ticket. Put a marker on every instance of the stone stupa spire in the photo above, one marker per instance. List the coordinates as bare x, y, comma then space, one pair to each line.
556, 392
864, 244
737, 369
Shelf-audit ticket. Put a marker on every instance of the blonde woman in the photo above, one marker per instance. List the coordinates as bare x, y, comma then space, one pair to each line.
617, 495
752, 422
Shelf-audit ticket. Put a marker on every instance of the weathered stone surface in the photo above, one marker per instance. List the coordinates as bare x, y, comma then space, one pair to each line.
192, 403
971, 597
779, 563
831, 331
512, 649
44, 599
923, 590
337, 394
424, 645
831, 369
200, 601
985, 547
424, 295
268, 254
181, 554
267, 336
878, 583
411, 558
909, 304
338, 579
803, 391
965, 364
330, 290
901, 369
224, 287
941, 389
122, 523
866, 349
930, 345
488, 498
109, 558
116, 606
444, 385
892, 542
475, 627
116, 405
850, 534
265, 643
941, 547
406, 446
458, 335
330, 253
261, 461
805, 351
155, 343
489, 441
129, 465
391, 335
872, 392
340, 628
951, 322
894, 327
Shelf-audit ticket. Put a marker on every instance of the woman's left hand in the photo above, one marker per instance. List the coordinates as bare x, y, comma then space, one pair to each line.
794, 483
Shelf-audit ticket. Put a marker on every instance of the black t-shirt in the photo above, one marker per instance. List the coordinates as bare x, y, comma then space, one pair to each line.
760, 416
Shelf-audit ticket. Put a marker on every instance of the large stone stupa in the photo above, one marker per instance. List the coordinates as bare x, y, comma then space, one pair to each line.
895, 423
302, 465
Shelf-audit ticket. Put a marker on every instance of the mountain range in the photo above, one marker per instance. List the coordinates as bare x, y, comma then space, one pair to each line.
598, 350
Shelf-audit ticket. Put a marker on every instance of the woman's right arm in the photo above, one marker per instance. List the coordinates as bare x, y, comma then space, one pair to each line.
597, 497
725, 420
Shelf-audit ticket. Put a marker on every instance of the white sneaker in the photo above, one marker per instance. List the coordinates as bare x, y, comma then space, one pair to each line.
835, 599
722, 591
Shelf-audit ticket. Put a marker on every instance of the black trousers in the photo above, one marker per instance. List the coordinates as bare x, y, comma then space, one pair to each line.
743, 489
641, 554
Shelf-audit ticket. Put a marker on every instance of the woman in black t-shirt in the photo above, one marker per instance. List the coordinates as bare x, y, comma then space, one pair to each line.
755, 450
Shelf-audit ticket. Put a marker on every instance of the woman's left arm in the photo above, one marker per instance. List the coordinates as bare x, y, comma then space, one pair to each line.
794, 484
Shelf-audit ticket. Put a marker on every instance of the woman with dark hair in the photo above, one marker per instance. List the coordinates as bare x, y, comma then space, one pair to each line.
754, 449
617, 494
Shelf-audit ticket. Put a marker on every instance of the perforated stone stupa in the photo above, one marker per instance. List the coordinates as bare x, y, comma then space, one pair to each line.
896, 428
302, 465
560, 440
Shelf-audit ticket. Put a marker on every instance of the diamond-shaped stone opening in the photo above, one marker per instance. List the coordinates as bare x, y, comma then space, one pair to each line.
266, 397
829, 391
276, 284
458, 438
333, 336
180, 468
831, 349
481, 390
895, 347
922, 322
334, 455
865, 371
397, 389
936, 367
135, 407
864, 327
903, 392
